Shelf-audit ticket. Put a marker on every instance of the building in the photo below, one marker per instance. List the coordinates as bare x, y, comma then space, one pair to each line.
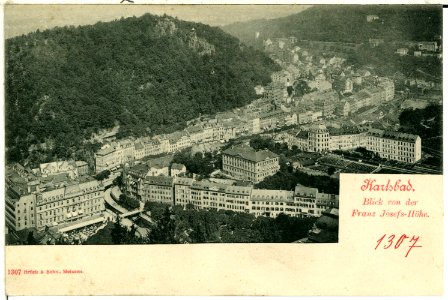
402, 51
321, 85
106, 158
371, 18
158, 168
348, 87
331, 96
157, 189
394, 145
114, 155
243, 162
204, 194
327, 107
346, 139
133, 179
318, 138
313, 203
427, 46
179, 140
61, 167
343, 108
196, 134
139, 150
305, 117
152, 147
83, 167
359, 100
271, 203
390, 145
177, 169
32, 202
303, 201
375, 42
389, 87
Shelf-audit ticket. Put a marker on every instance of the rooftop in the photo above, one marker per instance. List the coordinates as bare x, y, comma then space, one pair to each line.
248, 153
80, 163
304, 191
245, 190
105, 151
159, 180
303, 134
272, 195
139, 170
139, 146
177, 166
183, 181
208, 185
393, 135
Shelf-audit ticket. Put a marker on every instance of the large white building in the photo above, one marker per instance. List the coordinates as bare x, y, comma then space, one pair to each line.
36, 202
259, 202
387, 144
243, 162
303, 201
118, 153
395, 145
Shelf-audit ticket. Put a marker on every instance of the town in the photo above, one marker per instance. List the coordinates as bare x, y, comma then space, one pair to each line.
328, 116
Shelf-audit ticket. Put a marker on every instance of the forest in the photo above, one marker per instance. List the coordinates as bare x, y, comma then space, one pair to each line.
347, 23
148, 74
426, 122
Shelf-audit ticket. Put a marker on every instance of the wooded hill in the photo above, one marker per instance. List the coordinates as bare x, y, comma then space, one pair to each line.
347, 23
150, 74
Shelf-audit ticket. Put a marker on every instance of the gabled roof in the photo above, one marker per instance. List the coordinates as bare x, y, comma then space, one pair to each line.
159, 180
250, 154
138, 146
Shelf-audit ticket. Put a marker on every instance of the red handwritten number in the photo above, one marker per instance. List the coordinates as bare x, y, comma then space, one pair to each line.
390, 241
379, 241
415, 240
400, 241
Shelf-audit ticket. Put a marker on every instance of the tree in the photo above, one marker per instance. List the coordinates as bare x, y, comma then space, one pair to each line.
118, 233
164, 230
118, 181
30, 239
331, 170
102, 175
129, 202
67, 83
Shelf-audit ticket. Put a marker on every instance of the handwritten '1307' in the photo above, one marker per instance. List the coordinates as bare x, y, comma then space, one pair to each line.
391, 240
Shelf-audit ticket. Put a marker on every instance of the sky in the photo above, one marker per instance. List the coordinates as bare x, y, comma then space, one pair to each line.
22, 19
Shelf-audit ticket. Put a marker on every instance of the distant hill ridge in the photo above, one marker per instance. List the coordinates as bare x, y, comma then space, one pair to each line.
148, 74
347, 23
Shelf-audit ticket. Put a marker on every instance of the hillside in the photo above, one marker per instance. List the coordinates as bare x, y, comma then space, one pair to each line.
347, 23
148, 74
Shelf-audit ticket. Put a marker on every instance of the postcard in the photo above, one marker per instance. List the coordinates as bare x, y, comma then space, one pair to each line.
253, 150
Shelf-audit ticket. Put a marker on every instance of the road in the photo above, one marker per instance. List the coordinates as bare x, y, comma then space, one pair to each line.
109, 200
